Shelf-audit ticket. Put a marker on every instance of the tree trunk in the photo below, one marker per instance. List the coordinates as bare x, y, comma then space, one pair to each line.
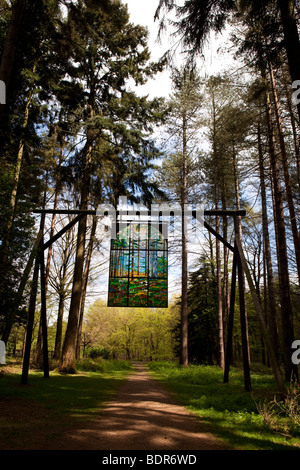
294, 131
67, 363
184, 275
284, 160
221, 358
39, 352
283, 273
271, 317
85, 282
274, 363
30, 322
10, 46
219, 287
59, 325
13, 198
226, 295
15, 182
291, 39
62, 296
241, 285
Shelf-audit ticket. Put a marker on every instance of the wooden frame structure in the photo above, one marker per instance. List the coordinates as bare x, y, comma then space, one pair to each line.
239, 267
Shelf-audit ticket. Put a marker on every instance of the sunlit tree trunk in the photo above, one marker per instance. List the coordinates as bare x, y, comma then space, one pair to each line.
291, 39
85, 283
218, 249
184, 276
67, 363
283, 272
271, 303
284, 160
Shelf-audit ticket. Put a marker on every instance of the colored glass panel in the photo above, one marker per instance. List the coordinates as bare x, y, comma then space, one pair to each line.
159, 293
138, 268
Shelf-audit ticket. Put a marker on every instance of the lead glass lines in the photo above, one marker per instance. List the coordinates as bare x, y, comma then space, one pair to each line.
138, 274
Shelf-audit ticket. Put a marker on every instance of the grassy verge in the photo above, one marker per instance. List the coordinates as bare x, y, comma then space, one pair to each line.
227, 410
34, 415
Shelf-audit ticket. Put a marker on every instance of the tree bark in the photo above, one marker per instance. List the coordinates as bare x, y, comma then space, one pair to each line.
283, 273
241, 286
62, 296
219, 288
184, 275
291, 39
39, 352
67, 363
85, 283
226, 295
221, 359
30, 322
271, 317
267, 339
284, 160
294, 131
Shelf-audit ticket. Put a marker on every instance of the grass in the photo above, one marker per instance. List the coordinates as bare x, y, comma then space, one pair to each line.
227, 410
40, 412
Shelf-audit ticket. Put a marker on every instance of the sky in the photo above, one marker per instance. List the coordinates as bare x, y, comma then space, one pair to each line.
142, 12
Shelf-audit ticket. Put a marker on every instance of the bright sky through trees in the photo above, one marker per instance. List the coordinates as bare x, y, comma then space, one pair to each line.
142, 12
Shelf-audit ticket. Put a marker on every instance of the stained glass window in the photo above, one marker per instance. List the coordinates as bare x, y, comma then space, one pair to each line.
138, 274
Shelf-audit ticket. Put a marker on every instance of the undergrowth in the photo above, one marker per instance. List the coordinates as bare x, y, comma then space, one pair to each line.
99, 364
256, 420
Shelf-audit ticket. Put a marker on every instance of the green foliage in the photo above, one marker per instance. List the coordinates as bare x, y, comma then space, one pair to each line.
195, 20
282, 415
73, 72
47, 409
99, 364
226, 410
131, 333
99, 351
203, 321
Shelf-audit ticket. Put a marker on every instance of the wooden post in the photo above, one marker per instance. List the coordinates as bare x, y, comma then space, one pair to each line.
273, 359
243, 319
30, 321
228, 352
22, 285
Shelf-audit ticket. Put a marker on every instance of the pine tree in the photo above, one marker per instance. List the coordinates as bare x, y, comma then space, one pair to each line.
107, 51
196, 20
178, 170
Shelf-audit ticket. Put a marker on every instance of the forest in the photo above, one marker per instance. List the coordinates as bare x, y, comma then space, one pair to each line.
76, 131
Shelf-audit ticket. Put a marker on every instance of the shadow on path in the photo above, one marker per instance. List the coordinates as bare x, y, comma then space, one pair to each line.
142, 416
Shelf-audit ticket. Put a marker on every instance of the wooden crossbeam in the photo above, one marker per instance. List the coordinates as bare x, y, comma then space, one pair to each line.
233, 213
81, 213
63, 230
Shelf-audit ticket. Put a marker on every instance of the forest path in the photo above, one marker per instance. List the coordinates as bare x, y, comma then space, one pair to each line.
142, 415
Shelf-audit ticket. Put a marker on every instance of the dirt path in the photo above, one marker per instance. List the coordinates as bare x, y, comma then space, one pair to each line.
142, 416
